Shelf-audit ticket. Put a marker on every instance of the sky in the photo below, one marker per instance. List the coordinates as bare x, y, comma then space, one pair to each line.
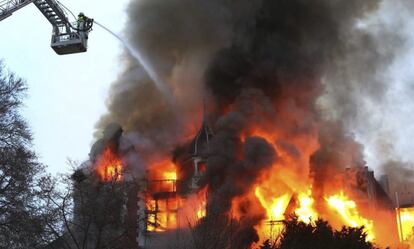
66, 94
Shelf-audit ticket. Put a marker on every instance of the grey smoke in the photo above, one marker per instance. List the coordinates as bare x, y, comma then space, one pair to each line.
177, 38
370, 91
400, 176
337, 152
290, 65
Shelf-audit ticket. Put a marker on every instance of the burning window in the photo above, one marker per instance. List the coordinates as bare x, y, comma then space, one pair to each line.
161, 198
405, 218
109, 166
161, 205
164, 204
162, 214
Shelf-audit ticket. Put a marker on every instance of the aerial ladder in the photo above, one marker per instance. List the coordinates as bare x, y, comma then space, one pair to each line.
67, 37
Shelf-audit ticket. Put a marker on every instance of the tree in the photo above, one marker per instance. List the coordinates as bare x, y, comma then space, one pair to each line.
320, 235
22, 177
91, 214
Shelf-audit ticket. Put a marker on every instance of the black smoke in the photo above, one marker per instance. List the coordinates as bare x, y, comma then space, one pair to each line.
259, 64
276, 56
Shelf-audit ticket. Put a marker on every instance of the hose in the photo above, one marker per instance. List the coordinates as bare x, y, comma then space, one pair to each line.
88, 23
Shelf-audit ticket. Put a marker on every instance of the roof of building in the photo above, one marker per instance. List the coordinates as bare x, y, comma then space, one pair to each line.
201, 142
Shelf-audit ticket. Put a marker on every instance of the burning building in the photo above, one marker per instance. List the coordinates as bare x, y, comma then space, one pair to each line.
282, 80
152, 207
168, 201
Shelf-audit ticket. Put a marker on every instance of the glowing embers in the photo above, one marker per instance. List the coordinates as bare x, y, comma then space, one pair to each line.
109, 166
405, 218
348, 211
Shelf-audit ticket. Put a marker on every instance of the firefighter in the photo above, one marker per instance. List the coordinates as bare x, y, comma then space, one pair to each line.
84, 25
81, 20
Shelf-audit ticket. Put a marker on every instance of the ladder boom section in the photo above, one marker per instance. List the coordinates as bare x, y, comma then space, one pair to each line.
7, 7
53, 12
67, 38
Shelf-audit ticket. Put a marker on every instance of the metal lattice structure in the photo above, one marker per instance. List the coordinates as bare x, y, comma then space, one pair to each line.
53, 12
49, 8
7, 7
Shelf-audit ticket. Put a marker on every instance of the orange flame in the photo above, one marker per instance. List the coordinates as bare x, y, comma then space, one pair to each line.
305, 212
275, 206
288, 176
162, 202
201, 210
166, 210
109, 166
405, 219
347, 209
275, 209
170, 175
284, 189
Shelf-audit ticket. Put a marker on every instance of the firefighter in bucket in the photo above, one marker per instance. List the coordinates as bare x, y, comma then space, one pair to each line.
84, 25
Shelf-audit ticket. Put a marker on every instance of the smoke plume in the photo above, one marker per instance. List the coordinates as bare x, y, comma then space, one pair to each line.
299, 68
